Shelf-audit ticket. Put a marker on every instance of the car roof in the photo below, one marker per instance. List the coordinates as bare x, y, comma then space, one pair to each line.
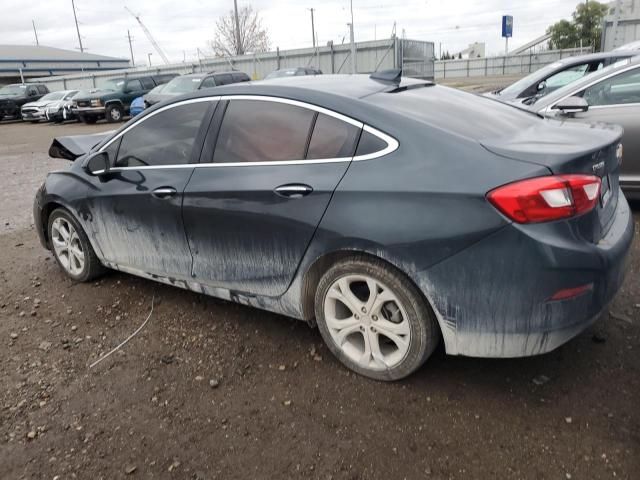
596, 56
355, 86
556, 95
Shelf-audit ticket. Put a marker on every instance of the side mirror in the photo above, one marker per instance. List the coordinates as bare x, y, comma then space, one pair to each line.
542, 85
571, 105
97, 163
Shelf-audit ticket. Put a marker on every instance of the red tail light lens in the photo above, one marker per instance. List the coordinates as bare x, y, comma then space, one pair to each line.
543, 199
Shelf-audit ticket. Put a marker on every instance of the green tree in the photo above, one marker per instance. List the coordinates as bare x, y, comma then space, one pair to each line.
585, 26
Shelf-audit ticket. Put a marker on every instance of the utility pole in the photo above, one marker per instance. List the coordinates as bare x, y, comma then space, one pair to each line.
240, 49
133, 62
354, 65
75, 17
313, 30
353, 48
35, 32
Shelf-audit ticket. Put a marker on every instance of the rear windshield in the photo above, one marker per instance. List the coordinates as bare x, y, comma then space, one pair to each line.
459, 112
182, 85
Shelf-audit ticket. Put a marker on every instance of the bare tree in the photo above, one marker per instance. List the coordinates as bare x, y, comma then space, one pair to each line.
253, 36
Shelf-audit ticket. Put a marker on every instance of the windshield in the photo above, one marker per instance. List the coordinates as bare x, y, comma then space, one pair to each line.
53, 96
157, 89
13, 90
517, 87
182, 85
113, 84
288, 72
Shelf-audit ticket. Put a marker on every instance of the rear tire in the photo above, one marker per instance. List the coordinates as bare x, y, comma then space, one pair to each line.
71, 247
114, 113
386, 336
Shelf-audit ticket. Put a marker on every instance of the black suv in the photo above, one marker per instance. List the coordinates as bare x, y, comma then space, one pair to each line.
13, 96
113, 99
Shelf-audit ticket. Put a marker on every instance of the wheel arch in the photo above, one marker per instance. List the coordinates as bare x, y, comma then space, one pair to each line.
323, 263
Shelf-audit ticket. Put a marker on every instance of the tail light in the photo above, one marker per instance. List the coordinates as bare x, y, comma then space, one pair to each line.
543, 199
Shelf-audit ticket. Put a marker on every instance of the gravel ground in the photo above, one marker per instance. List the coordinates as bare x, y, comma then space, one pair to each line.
211, 389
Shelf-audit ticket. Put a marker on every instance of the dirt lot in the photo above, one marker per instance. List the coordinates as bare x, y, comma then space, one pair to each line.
210, 389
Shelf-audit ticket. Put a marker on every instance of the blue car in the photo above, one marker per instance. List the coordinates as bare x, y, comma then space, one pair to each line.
390, 213
137, 106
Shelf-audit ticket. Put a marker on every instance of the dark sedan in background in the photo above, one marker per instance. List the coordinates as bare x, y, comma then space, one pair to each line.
611, 95
390, 213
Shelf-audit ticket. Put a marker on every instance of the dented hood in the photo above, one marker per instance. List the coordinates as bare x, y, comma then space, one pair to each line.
75, 146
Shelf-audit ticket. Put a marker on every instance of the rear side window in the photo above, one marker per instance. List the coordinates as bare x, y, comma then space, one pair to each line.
42, 89
166, 138
369, 144
332, 138
224, 79
261, 131
240, 77
147, 83
208, 82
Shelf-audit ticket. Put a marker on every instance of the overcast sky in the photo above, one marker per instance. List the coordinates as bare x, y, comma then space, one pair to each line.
180, 27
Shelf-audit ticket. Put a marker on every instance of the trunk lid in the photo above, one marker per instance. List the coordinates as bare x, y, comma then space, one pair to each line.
566, 148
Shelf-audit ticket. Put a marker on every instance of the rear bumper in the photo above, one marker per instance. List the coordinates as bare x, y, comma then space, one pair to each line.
495, 298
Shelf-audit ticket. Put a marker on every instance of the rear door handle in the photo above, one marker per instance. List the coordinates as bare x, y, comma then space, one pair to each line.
164, 192
293, 190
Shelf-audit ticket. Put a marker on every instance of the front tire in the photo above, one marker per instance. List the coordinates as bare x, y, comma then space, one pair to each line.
374, 320
114, 113
71, 247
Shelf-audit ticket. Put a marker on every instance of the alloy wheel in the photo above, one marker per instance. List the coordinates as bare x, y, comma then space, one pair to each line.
67, 246
367, 322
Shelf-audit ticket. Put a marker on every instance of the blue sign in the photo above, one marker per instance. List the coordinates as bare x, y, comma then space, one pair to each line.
507, 26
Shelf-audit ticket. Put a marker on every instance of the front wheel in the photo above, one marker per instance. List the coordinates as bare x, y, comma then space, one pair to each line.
71, 247
114, 113
374, 320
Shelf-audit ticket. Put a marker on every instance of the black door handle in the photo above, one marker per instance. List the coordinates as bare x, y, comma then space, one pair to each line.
164, 192
293, 190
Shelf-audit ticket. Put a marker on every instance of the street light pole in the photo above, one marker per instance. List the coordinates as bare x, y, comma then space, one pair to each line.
149, 57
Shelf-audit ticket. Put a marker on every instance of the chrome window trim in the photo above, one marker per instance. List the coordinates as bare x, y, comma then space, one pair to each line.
392, 143
153, 114
550, 108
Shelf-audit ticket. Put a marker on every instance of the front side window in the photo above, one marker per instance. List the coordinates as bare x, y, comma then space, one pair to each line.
208, 82
332, 138
166, 138
42, 89
262, 131
618, 90
134, 85
565, 77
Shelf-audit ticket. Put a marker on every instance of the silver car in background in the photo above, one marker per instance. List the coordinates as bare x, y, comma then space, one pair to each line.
49, 107
611, 95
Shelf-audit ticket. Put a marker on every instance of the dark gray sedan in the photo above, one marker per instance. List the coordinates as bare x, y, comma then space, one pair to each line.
611, 95
391, 214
